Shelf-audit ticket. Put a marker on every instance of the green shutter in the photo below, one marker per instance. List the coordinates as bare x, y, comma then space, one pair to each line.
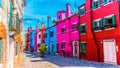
99, 3
105, 21
1, 51
113, 20
80, 28
93, 24
85, 27
100, 22
93, 7
10, 20
0, 3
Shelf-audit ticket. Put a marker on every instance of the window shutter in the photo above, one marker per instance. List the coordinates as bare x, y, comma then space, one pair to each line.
98, 3
84, 10
10, 21
80, 27
79, 12
104, 1
100, 22
105, 21
113, 20
85, 27
93, 24
93, 7
16, 48
0, 3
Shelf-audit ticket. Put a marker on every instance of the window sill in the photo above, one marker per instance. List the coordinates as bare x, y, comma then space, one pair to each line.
96, 8
98, 31
82, 33
83, 14
107, 3
110, 28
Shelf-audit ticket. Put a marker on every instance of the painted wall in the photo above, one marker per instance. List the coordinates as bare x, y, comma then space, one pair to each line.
94, 39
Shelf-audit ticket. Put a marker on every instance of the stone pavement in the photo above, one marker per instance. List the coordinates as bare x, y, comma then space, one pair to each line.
34, 61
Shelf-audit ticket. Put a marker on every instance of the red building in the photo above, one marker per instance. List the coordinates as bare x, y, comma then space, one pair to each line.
27, 39
100, 31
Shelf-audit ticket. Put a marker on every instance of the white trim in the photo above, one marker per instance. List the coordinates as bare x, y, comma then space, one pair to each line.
109, 40
83, 42
108, 3
82, 7
97, 19
110, 28
74, 23
82, 24
98, 31
96, 8
109, 16
82, 33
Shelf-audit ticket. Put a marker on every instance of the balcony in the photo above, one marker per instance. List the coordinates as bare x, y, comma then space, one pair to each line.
97, 28
107, 26
15, 25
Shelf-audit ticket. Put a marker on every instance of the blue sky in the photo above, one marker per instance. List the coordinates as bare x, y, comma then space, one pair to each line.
40, 9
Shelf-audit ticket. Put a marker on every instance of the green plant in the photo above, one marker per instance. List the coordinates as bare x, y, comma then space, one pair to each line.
43, 48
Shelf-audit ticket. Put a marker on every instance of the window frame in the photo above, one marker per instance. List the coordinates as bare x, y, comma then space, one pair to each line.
82, 50
51, 33
82, 10
82, 31
63, 30
74, 27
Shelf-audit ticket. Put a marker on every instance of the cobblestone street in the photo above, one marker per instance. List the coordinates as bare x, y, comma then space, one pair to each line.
34, 61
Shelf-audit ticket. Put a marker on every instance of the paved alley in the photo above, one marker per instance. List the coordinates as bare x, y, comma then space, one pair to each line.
34, 61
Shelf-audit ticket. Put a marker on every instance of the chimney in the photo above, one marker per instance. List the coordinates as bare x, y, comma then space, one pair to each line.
68, 11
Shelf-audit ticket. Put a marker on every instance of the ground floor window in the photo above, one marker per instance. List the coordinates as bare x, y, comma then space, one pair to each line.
1, 50
83, 48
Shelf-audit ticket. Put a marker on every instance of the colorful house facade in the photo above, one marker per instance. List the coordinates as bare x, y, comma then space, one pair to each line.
50, 37
35, 39
67, 33
27, 39
98, 19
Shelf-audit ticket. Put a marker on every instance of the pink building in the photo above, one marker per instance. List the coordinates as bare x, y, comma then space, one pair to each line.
67, 33
39, 39
35, 39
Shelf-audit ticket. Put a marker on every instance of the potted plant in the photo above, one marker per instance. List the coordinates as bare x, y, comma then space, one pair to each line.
42, 48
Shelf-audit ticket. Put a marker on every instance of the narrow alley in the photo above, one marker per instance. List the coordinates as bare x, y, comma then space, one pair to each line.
35, 61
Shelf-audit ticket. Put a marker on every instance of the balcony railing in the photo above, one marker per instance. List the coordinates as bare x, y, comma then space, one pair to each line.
16, 24
97, 28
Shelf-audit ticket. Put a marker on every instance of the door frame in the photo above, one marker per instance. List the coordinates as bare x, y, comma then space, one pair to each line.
112, 40
73, 49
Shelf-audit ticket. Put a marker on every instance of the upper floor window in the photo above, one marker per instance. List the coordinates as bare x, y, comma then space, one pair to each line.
97, 25
83, 28
63, 45
51, 34
45, 35
39, 36
109, 22
83, 48
75, 27
82, 10
1, 50
107, 1
95, 4
63, 30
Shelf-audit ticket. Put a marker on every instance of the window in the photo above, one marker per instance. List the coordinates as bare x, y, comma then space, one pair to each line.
45, 35
63, 45
82, 10
109, 22
75, 27
16, 48
83, 48
107, 1
83, 28
97, 25
39, 36
51, 34
95, 4
63, 30
1, 50
59, 17
1, 3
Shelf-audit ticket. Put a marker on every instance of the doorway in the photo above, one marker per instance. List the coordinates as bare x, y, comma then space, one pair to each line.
109, 47
75, 45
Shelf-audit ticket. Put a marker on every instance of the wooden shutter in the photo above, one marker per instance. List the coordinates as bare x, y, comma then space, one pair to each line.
85, 27
93, 5
105, 21
100, 22
93, 24
99, 3
113, 20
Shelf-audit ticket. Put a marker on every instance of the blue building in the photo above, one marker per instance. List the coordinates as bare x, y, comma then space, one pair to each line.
32, 32
50, 37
